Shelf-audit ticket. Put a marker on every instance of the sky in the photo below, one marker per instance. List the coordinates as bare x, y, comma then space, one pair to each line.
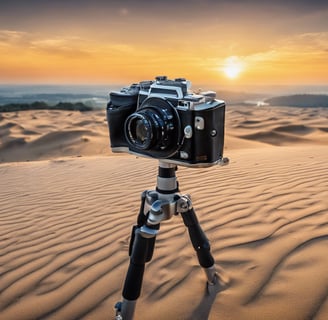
232, 43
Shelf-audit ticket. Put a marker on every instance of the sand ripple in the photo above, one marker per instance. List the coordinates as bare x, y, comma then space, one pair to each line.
65, 227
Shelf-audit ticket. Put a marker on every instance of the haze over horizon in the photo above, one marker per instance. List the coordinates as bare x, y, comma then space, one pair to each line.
235, 44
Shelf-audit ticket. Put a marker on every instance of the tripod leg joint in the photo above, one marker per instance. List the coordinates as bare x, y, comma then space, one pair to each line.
184, 204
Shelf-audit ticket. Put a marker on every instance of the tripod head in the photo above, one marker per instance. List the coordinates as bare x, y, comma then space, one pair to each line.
161, 204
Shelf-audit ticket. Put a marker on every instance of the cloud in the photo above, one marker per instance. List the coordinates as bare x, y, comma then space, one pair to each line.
120, 48
311, 41
32, 43
292, 48
13, 37
69, 47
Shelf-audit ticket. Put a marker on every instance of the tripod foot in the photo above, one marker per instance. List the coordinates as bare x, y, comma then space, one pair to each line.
211, 275
125, 309
217, 280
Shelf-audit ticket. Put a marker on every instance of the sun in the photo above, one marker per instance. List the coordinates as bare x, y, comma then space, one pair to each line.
232, 67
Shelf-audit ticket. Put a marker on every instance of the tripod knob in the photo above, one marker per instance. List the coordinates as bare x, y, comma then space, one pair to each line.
184, 204
156, 214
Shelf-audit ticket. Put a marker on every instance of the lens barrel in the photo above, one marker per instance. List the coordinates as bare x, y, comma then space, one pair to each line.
153, 129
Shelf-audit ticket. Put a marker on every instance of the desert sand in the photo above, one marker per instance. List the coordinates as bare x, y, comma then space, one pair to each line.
68, 205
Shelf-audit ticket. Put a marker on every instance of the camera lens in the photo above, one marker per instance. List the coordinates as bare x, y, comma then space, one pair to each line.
140, 132
153, 129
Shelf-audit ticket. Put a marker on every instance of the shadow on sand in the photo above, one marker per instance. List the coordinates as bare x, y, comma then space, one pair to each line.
203, 310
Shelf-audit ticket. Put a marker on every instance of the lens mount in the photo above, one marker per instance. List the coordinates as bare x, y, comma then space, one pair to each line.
154, 128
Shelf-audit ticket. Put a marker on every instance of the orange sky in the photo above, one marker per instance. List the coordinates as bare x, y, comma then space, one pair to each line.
126, 41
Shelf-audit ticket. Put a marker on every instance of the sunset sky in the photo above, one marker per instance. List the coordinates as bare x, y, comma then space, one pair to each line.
216, 42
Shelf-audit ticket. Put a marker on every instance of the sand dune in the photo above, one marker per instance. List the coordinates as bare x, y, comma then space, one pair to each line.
279, 126
45, 134
38, 135
65, 222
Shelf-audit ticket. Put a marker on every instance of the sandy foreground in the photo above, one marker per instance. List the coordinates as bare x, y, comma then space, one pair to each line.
65, 220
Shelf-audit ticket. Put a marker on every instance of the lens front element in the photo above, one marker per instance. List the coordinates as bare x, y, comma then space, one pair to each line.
140, 131
153, 129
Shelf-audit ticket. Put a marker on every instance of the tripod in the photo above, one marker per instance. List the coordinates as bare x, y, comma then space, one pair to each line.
156, 206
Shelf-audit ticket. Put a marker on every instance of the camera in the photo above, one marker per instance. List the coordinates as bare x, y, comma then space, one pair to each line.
163, 119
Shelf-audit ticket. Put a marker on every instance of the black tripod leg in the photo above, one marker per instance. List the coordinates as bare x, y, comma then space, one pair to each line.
200, 244
141, 252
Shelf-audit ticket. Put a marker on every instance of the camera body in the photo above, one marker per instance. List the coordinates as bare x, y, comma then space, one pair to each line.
162, 119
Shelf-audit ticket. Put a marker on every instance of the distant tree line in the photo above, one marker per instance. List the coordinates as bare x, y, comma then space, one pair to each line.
40, 105
300, 100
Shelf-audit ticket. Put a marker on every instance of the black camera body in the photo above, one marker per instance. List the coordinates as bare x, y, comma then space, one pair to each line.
161, 119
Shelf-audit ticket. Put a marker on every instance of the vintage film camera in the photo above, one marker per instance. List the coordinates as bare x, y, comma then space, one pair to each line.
162, 119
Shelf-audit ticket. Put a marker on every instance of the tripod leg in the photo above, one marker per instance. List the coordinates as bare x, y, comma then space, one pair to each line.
141, 252
200, 244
